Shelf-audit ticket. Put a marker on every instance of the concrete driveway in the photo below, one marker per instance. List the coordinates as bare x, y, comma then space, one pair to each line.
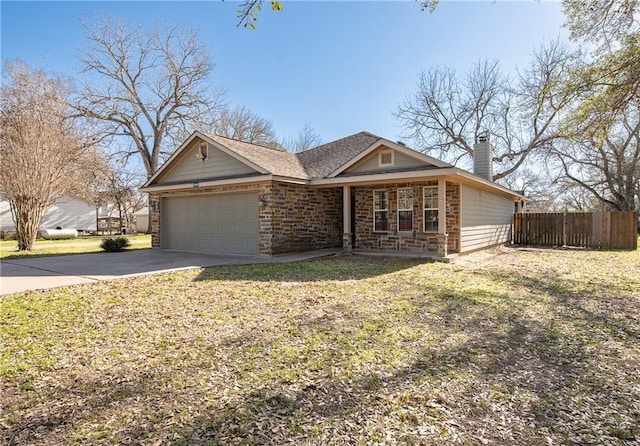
21, 275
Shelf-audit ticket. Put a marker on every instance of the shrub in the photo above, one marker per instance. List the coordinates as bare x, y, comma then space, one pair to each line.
117, 244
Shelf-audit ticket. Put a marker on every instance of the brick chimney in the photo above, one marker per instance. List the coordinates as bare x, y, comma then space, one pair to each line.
482, 158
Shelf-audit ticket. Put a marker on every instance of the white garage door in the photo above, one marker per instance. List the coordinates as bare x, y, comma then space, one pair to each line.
211, 223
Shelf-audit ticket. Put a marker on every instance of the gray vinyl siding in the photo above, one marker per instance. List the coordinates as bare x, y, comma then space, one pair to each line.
68, 213
218, 164
370, 163
6, 221
485, 219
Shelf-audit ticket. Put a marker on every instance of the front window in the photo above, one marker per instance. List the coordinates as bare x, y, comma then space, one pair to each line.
405, 210
430, 209
380, 211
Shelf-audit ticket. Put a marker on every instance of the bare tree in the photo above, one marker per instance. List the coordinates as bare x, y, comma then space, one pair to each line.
447, 114
571, 196
119, 187
603, 157
45, 152
242, 124
147, 86
306, 139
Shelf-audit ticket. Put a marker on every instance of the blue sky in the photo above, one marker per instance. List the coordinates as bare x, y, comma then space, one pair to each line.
343, 67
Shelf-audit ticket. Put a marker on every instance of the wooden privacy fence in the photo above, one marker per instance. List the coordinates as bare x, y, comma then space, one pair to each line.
607, 230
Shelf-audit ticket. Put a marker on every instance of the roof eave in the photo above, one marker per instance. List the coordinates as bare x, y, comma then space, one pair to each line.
478, 179
293, 180
394, 145
451, 173
382, 177
223, 182
202, 184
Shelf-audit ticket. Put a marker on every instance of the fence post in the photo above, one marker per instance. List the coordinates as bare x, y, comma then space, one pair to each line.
595, 233
606, 230
635, 238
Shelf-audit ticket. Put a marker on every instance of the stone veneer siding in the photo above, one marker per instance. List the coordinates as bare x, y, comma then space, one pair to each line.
417, 240
299, 218
154, 218
292, 218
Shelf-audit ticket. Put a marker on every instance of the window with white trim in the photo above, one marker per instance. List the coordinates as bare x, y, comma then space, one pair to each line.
430, 200
385, 158
380, 211
405, 210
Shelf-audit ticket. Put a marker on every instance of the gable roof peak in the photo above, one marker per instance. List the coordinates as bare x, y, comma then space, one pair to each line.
373, 135
324, 159
349, 137
271, 160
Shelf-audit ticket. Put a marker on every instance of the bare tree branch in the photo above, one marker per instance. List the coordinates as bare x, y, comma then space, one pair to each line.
146, 85
447, 114
242, 124
119, 187
306, 139
603, 157
46, 152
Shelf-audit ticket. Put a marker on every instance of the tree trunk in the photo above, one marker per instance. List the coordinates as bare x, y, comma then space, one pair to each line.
27, 213
121, 231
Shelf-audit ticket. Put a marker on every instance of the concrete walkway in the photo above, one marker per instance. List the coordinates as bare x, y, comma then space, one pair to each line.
20, 275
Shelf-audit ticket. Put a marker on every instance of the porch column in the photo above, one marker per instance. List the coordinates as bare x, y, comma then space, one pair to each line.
346, 219
442, 218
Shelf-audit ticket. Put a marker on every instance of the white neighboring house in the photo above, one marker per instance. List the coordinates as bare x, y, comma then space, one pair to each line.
67, 213
142, 220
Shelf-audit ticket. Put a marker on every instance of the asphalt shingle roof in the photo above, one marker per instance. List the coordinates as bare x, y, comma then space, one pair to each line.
322, 160
275, 161
310, 164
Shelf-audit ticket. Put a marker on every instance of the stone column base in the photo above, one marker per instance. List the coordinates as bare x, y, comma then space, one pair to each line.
346, 243
443, 239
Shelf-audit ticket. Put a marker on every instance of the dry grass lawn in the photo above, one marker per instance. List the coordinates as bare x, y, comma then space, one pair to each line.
80, 245
509, 347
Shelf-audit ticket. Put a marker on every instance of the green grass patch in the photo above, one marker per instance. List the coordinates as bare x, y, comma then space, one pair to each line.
514, 347
80, 245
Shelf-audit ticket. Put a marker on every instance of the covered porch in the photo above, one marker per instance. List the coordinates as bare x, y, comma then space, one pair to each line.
412, 218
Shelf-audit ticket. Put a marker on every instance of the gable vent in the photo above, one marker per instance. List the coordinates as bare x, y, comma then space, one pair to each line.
385, 158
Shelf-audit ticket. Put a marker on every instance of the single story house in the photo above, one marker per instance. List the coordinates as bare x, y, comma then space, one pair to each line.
67, 213
361, 192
